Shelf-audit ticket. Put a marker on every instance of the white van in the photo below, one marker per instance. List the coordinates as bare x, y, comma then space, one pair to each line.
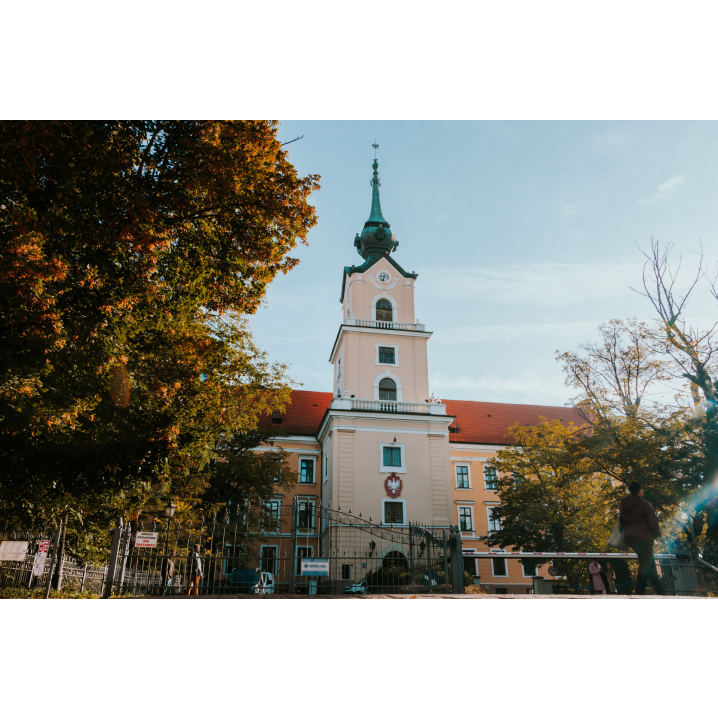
267, 581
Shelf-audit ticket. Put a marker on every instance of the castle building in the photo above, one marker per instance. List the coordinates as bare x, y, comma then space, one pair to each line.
379, 442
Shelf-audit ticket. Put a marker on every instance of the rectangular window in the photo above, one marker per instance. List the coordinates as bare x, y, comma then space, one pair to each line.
462, 477
269, 559
502, 591
490, 478
272, 515
306, 515
494, 519
498, 565
303, 552
306, 471
470, 566
393, 512
392, 456
465, 519
530, 567
386, 355
346, 571
326, 468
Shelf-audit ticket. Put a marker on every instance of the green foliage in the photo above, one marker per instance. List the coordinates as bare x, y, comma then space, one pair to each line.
132, 251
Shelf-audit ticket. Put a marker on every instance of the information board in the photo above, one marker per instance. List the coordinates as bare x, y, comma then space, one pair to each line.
314, 566
146, 539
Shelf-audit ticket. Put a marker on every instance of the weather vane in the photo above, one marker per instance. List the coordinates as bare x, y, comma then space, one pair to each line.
376, 147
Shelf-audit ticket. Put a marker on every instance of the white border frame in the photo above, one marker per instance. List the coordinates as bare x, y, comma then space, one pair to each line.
506, 566
394, 307
471, 531
388, 375
484, 467
395, 347
468, 474
313, 459
393, 501
392, 469
488, 517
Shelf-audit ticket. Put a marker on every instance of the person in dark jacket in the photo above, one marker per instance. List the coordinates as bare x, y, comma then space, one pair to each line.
640, 528
167, 571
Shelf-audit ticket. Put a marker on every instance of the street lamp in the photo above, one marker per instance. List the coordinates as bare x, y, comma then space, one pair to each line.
169, 512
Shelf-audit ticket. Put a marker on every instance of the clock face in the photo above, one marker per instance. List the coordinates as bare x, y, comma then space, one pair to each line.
383, 276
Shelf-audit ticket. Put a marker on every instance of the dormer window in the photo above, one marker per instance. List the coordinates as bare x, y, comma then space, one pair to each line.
384, 311
387, 390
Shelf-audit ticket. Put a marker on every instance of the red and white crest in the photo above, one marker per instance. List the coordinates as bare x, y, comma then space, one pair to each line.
393, 486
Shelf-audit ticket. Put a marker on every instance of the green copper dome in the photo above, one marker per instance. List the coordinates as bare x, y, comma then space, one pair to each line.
376, 237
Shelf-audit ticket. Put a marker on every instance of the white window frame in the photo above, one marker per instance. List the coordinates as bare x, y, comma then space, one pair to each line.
506, 566
313, 459
395, 347
472, 530
392, 469
387, 375
469, 557
456, 475
393, 501
488, 518
276, 557
271, 501
394, 307
485, 468
313, 501
523, 570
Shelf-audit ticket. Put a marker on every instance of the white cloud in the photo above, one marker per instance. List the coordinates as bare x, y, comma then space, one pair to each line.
665, 190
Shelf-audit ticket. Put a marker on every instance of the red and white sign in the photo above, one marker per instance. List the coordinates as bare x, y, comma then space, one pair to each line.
393, 486
43, 547
38, 563
146, 539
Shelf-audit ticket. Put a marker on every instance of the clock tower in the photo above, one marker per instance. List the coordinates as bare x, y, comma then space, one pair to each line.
384, 438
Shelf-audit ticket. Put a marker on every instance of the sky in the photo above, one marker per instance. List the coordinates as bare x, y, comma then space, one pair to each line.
525, 235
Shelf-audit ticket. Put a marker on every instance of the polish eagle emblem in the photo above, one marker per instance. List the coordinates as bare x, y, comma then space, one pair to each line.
393, 486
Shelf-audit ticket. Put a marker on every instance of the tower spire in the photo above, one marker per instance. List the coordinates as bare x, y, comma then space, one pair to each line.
377, 237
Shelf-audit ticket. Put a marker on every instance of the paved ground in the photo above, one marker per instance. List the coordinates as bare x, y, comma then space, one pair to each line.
469, 597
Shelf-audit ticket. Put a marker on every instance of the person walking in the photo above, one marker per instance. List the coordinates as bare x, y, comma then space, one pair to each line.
594, 569
167, 571
195, 572
610, 578
640, 528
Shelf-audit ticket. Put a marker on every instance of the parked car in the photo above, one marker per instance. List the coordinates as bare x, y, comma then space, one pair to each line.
356, 588
268, 580
245, 580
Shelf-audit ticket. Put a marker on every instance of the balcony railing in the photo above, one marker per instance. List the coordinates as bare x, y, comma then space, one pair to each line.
389, 407
373, 324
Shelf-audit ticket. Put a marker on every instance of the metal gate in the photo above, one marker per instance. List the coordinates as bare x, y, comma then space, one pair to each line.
261, 551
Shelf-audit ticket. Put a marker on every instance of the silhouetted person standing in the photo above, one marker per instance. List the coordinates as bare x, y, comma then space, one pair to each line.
640, 528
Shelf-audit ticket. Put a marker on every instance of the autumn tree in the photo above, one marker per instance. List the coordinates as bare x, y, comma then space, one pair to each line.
131, 252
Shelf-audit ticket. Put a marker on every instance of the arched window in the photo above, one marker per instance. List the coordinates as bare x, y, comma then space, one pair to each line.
383, 310
387, 390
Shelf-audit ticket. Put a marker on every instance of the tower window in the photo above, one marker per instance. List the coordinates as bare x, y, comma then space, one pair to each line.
386, 355
384, 311
387, 390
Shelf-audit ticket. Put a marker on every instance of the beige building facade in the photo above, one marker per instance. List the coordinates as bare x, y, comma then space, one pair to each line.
380, 443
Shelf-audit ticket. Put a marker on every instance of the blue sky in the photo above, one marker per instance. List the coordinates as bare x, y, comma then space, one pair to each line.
524, 236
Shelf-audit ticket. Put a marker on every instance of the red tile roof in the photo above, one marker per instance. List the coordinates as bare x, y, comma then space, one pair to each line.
479, 422
304, 414
487, 422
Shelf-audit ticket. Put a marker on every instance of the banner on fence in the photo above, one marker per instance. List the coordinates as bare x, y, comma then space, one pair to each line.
146, 539
315, 566
13, 550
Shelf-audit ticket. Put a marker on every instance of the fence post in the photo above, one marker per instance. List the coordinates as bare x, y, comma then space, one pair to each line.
125, 551
457, 563
446, 563
293, 549
84, 576
52, 563
114, 552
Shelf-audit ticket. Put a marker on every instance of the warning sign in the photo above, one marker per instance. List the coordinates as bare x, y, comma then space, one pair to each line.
146, 539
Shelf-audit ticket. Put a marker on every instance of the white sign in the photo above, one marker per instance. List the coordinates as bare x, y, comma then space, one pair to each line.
43, 547
314, 566
38, 565
13, 550
146, 539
